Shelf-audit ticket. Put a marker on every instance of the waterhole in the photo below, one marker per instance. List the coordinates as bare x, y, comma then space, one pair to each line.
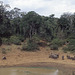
30, 71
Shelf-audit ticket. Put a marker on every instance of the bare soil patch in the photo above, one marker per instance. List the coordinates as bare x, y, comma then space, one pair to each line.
16, 57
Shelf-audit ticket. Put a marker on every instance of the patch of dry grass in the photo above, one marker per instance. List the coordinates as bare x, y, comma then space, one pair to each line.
16, 56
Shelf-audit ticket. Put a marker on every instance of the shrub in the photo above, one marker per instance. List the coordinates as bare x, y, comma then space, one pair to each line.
36, 38
48, 38
65, 49
71, 42
54, 47
21, 38
58, 42
30, 45
0, 41
6, 41
70, 46
15, 40
71, 37
24, 46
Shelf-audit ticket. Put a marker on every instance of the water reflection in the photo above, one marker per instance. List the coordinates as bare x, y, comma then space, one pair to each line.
55, 73
29, 71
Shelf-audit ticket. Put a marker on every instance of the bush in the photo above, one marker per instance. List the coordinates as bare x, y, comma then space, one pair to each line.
71, 37
21, 38
30, 45
69, 48
58, 42
24, 46
71, 42
54, 47
6, 41
36, 38
0, 41
15, 40
65, 49
48, 39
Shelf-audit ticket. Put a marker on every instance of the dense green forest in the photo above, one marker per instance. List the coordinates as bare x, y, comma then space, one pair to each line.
17, 26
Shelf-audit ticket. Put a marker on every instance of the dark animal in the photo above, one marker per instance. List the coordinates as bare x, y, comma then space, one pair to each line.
54, 56
62, 57
69, 57
4, 58
73, 58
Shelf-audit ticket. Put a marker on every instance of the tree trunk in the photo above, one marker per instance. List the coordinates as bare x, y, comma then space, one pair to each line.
30, 33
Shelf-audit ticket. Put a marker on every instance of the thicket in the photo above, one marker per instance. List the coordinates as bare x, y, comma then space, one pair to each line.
57, 42
6, 41
12, 40
15, 40
70, 46
30, 45
16, 26
0, 41
54, 47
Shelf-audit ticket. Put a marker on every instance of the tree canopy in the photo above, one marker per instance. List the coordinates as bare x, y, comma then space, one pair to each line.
28, 24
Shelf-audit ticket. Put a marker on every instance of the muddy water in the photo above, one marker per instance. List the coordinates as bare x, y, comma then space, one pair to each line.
30, 71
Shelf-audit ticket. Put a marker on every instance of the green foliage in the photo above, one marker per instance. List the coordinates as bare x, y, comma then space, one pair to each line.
15, 40
71, 42
4, 21
21, 38
15, 22
12, 40
58, 42
70, 46
65, 49
71, 37
24, 45
30, 45
0, 41
47, 38
36, 38
54, 47
31, 23
6, 41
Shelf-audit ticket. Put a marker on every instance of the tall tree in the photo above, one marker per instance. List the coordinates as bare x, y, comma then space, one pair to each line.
31, 23
4, 21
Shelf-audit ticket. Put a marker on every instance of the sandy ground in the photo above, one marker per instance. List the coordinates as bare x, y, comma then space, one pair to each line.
16, 57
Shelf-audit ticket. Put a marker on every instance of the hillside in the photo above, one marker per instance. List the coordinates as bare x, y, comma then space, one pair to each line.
16, 57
